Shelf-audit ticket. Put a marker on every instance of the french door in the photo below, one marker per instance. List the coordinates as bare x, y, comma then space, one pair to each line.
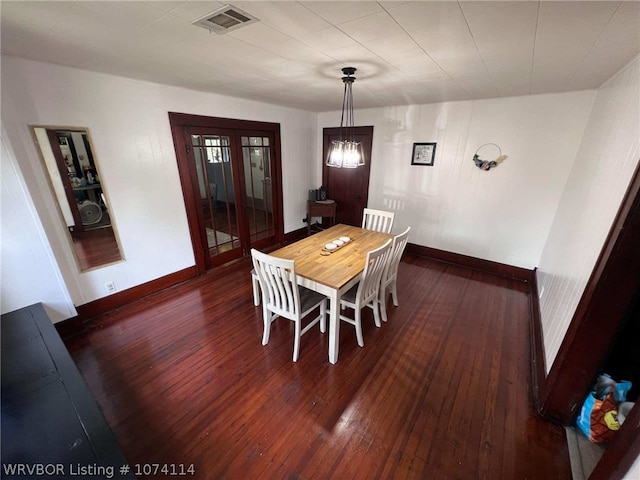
232, 185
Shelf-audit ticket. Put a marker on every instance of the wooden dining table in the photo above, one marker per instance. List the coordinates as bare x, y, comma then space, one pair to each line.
332, 274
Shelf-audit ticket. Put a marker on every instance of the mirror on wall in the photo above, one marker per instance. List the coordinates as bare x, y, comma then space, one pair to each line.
77, 185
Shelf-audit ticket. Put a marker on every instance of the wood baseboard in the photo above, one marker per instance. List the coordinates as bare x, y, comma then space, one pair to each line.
500, 269
69, 327
86, 312
295, 235
538, 356
103, 305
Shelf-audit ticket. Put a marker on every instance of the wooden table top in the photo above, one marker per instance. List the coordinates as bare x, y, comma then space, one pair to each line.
338, 268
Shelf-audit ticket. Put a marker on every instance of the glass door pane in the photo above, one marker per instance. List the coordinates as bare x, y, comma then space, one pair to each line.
213, 158
256, 156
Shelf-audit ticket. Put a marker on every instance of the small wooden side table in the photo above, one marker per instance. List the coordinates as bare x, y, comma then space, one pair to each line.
320, 209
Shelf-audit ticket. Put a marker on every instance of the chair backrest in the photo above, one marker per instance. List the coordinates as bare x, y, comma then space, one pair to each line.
374, 267
277, 277
377, 220
397, 247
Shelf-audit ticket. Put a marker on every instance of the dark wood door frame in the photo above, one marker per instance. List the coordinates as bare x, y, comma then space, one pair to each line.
608, 294
189, 176
53, 136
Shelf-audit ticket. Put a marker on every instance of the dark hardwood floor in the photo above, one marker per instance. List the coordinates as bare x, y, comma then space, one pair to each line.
96, 247
442, 391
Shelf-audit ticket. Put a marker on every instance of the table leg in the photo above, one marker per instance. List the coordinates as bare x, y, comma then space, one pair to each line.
334, 326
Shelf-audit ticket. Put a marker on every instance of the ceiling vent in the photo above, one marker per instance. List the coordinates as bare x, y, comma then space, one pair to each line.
224, 19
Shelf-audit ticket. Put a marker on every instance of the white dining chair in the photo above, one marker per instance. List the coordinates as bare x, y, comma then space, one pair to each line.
282, 297
390, 273
366, 292
377, 220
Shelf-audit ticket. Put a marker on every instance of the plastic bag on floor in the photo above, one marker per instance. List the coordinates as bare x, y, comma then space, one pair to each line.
598, 419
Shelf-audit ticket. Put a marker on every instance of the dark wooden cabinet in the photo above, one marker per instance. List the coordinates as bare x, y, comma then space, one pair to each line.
49, 416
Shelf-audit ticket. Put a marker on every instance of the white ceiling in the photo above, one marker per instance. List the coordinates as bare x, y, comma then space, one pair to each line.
405, 52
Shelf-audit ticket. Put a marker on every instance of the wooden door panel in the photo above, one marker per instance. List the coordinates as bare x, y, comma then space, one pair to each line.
258, 193
215, 190
349, 187
345, 188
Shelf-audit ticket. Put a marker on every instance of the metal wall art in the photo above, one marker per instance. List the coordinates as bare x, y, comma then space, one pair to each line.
488, 150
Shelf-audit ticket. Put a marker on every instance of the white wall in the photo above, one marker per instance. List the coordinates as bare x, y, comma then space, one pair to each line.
28, 270
634, 471
606, 160
503, 214
129, 125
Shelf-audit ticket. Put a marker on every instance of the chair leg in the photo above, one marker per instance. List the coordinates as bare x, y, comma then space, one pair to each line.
357, 317
323, 316
375, 306
296, 340
394, 293
383, 303
266, 317
256, 289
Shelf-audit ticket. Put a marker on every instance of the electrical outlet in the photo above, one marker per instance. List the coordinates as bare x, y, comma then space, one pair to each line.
110, 286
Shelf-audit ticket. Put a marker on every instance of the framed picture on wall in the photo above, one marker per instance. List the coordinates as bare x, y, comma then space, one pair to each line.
423, 154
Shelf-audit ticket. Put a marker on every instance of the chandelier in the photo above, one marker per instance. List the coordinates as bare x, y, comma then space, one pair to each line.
346, 152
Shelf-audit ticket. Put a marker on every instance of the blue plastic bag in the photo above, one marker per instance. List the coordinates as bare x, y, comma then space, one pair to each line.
598, 418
